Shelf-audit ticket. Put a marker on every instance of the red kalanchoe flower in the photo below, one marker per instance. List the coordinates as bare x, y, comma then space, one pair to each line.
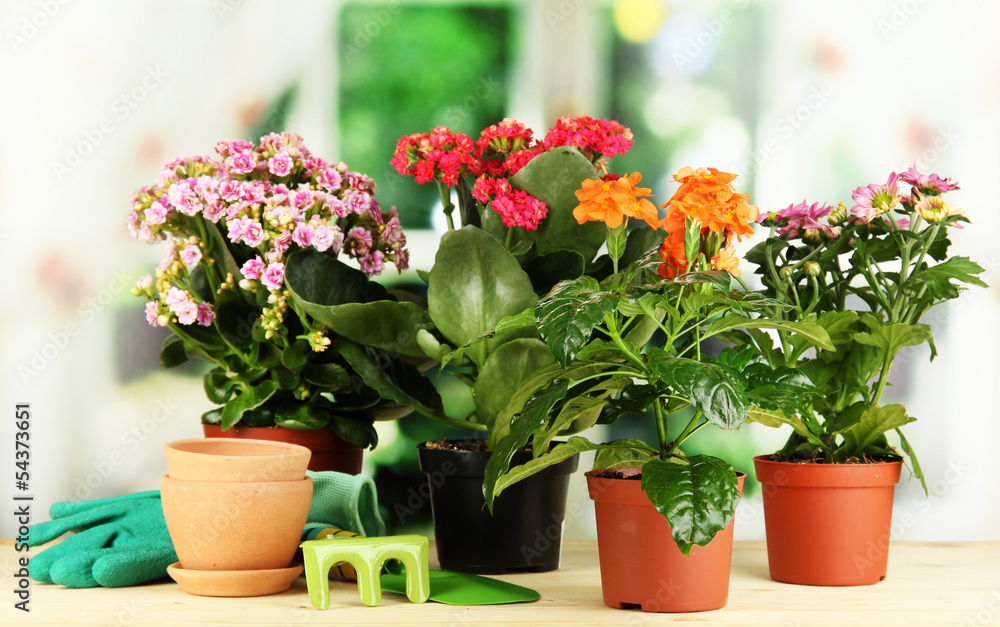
439, 155
516, 208
499, 143
594, 138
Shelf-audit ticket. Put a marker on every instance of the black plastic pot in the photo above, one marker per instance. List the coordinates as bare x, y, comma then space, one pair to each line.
523, 534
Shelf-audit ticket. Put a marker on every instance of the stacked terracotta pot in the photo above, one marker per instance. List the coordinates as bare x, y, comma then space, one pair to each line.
235, 510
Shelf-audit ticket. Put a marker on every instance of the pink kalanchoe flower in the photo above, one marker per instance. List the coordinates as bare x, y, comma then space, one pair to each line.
357, 202
927, 182
359, 241
273, 276
231, 190
874, 200
157, 213
214, 211
361, 182
238, 229
254, 235
518, 208
144, 282
402, 259
187, 312
393, 235
303, 235
336, 207
175, 296
280, 164
328, 238
205, 315
191, 255
184, 198
373, 263
152, 313
243, 162
252, 269
329, 179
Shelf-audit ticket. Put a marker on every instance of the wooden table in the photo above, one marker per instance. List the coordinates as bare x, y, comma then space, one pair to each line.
927, 584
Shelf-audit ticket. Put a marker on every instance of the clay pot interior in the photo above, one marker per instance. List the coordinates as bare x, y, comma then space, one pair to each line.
235, 460
217, 525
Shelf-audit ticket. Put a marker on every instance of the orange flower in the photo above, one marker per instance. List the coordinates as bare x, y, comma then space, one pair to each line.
609, 201
673, 256
727, 260
709, 197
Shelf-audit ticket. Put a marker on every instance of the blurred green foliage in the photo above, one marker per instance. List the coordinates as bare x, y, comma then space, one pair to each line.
408, 68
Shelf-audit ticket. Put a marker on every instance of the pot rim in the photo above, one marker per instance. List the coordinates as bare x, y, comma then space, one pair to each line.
820, 475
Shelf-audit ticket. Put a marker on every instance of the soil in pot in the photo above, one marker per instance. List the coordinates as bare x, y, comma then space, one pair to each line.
329, 451
827, 524
641, 566
525, 531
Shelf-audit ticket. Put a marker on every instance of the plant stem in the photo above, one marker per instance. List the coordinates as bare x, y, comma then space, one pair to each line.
662, 422
446, 203
691, 427
509, 239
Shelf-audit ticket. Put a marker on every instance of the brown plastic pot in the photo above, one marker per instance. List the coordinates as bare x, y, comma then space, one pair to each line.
235, 459
217, 525
641, 565
827, 524
329, 451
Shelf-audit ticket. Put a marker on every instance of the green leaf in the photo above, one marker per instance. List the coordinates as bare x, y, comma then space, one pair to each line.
715, 390
251, 398
553, 177
301, 416
875, 422
474, 284
525, 423
627, 453
560, 452
326, 375
384, 324
778, 388
235, 319
393, 379
296, 354
432, 347
697, 495
905, 444
355, 431
576, 414
504, 372
775, 418
816, 334
616, 239
318, 278
547, 270
424, 275
506, 327
889, 338
172, 352
567, 317
938, 278
634, 399
218, 387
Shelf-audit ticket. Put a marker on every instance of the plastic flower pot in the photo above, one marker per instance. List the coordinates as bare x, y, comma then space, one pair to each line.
641, 566
523, 534
827, 524
329, 451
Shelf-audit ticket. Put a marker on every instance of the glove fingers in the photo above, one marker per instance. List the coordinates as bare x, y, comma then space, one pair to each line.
95, 516
121, 567
72, 508
40, 567
76, 570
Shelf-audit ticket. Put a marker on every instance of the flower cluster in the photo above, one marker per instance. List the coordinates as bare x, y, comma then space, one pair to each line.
440, 155
501, 151
884, 207
706, 207
266, 202
612, 198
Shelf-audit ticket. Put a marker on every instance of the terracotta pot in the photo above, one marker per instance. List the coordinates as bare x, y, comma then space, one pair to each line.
640, 562
329, 451
217, 525
232, 459
827, 524
524, 533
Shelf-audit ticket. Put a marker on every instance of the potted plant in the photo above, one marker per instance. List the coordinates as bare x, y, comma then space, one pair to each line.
513, 238
867, 276
664, 519
304, 347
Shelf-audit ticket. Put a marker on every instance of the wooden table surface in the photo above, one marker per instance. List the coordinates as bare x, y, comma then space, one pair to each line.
927, 584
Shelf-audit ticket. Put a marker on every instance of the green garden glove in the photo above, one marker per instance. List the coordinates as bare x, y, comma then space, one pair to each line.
345, 502
123, 541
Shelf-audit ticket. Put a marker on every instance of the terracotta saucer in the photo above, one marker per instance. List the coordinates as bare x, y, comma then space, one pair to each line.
234, 583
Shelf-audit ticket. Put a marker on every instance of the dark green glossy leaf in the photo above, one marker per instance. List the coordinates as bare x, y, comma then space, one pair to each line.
247, 400
172, 352
634, 399
218, 387
534, 415
547, 270
697, 495
326, 375
567, 317
874, 423
716, 390
296, 354
358, 432
316, 279
811, 331
393, 379
627, 453
301, 416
